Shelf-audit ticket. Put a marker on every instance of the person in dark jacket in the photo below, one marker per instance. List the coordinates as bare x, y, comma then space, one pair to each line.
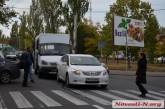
27, 63
30, 76
141, 74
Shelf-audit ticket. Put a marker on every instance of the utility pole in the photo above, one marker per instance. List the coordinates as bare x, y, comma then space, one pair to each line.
90, 9
75, 33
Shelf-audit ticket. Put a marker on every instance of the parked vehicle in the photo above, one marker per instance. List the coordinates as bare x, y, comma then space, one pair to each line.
9, 70
161, 59
8, 51
120, 55
78, 69
49, 48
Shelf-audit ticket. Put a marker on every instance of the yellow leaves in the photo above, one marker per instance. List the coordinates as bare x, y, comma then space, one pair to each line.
160, 49
91, 44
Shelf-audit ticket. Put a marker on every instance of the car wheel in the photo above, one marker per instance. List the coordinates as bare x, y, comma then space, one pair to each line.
40, 75
36, 71
104, 86
5, 77
67, 81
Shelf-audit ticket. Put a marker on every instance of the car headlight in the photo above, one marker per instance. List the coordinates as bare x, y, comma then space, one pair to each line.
44, 62
77, 72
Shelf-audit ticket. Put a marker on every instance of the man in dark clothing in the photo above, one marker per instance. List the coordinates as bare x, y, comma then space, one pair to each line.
141, 74
27, 61
30, 76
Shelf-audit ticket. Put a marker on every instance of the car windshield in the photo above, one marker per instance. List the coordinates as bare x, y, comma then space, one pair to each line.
84, 60
54, 49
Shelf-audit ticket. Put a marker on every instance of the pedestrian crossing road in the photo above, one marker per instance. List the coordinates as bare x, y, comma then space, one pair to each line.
57, 99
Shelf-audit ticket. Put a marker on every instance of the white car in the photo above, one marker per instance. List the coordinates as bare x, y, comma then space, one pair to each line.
161, 59
77, 69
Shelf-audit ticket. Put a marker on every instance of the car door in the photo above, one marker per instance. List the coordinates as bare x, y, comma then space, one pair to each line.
64, 66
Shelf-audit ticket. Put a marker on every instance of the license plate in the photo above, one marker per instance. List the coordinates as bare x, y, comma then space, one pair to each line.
92, 79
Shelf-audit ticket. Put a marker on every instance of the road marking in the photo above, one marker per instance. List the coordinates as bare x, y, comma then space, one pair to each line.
163, 91
156, 93
125, 94
45, 99
148, 95
69, 97
92, 97
2, 104
107, 95
98, 107
20, 100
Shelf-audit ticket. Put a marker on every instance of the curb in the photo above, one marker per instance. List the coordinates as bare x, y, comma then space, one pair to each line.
123, 73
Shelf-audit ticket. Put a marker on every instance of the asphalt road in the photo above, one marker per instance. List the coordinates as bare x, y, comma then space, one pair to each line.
47, 93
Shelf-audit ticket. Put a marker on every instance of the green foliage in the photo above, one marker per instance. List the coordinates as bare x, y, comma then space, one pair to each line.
14, 39
72, 7
135, 9
23, 32
151, 30
34, 21
87, 38
5, 13
160, 49
52, 12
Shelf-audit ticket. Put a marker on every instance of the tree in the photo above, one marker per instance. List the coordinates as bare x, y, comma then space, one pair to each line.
136, 9
160, 49
52, 14
14, 40
87, 38
151, 30
34, 20
5, 13
25, 39
74, 11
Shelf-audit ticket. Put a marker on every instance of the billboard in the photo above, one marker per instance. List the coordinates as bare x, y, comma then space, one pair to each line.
128, 31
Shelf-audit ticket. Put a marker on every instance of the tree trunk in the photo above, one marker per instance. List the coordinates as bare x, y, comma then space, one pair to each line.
75, 33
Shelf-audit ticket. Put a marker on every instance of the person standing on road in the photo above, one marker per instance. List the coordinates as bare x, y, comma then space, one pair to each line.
141, 74
27, 63
30, 76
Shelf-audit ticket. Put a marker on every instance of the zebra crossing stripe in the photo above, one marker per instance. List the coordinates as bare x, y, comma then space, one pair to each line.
98, 107
163, 91
20, 100
156, 93
69, 97
149, 95
2, 104
125, 94
45, 99
107, 95
92, 97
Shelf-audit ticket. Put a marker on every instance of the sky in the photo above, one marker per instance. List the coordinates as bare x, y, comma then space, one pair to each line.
97, 5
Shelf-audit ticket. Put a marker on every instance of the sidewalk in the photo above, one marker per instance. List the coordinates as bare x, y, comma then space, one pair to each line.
132, 73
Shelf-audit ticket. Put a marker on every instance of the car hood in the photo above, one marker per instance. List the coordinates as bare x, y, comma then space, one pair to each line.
51, 59
88, 68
